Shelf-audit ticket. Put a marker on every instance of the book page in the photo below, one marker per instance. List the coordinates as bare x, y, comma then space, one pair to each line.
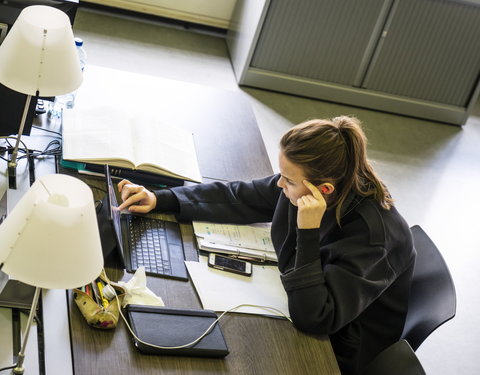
100, 134
166, 146
105, 135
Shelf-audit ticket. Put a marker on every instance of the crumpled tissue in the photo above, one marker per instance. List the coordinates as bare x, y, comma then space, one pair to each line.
137, 292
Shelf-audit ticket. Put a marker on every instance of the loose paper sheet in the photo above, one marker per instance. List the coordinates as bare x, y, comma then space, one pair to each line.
221, 291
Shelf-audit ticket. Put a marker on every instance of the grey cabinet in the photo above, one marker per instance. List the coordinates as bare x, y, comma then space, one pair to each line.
414, 57
320, 40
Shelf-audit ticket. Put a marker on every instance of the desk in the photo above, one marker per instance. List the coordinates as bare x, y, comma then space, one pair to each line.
229, 146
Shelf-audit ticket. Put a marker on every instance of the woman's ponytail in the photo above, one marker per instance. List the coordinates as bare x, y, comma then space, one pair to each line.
361, 176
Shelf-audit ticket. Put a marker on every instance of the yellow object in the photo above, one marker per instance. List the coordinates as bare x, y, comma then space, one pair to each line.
100, 291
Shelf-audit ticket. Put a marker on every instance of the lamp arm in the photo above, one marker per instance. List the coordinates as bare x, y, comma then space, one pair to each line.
13, 159
19, 369
12, 163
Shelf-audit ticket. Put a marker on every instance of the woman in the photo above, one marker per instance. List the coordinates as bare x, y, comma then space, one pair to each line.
344, 252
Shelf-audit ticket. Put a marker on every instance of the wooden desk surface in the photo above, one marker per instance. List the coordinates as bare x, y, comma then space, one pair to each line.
258, 345
229, 146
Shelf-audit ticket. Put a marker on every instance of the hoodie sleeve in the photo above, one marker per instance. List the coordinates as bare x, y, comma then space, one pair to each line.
233, 202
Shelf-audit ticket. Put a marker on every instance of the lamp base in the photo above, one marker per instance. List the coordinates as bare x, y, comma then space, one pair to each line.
12, 177
12, 169
19, 370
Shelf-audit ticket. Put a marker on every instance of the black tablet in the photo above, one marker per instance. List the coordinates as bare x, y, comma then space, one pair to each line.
167, 328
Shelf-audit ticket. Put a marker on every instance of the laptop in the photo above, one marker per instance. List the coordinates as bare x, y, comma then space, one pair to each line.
143, 241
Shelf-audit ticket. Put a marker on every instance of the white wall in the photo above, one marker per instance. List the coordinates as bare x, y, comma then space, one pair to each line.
208, 12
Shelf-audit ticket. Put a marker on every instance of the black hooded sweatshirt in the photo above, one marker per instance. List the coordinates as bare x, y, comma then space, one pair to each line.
349, 281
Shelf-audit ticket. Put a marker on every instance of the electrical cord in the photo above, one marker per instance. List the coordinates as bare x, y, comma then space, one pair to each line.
53, 148
47, 130
10, 147
207, 331
8, 368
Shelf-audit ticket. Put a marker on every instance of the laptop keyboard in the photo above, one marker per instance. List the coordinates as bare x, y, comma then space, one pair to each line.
148, 245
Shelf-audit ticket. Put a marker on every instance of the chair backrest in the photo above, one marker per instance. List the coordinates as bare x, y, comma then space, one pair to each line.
432, 299
397, 359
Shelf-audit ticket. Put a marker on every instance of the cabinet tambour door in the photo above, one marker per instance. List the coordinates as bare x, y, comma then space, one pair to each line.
316, 39
431, 51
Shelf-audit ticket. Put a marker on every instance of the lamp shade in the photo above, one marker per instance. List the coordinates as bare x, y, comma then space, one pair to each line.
51, 238
39, 54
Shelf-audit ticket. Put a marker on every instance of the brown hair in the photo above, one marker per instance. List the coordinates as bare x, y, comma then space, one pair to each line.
335, 151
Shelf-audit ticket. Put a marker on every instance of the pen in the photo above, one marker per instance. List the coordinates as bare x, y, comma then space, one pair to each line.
249, 259
100, 292
95, 292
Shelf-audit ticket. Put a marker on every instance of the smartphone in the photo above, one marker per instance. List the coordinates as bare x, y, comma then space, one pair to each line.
230, 264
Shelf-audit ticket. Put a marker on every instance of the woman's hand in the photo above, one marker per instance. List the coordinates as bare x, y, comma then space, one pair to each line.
311, 208
136, 197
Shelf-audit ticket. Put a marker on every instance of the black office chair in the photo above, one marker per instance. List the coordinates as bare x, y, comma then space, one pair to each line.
432, 299
397, 359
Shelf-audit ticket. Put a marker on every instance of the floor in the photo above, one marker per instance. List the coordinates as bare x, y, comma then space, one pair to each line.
432, 169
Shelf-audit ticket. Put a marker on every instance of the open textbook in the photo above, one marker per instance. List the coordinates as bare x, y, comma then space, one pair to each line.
105, 135
245, 241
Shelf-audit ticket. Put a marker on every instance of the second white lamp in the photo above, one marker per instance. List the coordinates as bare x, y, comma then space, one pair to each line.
38, 57
51, 240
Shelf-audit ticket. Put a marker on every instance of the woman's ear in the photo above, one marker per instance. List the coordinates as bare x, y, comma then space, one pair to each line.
326, 188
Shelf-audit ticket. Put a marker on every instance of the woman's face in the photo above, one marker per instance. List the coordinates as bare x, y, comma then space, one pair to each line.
291, 180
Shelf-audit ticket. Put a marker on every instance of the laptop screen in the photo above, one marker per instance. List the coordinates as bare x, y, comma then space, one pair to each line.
114, 212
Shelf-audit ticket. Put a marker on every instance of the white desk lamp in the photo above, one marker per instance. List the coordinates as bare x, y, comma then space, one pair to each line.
38, 58
51, 240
